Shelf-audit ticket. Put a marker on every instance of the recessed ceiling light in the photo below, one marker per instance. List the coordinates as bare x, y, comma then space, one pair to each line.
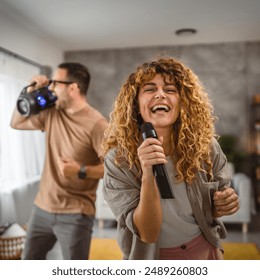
185, 32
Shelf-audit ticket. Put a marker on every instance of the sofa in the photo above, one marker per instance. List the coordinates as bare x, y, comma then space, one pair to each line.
103, 211
243, 187
16, 201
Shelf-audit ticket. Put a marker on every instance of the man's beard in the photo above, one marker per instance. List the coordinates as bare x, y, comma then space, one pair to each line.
62, 104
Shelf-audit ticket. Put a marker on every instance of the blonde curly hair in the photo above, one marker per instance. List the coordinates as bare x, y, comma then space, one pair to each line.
192, 132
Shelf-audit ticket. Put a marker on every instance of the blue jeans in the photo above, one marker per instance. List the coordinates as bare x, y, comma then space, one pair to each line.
73, 231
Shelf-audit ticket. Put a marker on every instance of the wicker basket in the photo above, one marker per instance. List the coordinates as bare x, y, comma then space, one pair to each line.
11, 247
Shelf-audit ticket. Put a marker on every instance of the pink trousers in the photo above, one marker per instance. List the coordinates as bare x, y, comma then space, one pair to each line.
196, 249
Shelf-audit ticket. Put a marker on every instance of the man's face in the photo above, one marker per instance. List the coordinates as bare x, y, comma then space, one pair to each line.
61, 90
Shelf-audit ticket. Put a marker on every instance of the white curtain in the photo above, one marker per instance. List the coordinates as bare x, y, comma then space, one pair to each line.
21, 152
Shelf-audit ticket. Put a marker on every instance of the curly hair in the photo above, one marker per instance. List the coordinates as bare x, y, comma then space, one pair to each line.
192, 132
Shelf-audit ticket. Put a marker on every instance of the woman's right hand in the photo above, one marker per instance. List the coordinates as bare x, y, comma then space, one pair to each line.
150, 153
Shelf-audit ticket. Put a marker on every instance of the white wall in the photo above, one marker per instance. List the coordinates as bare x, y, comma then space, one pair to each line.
18, 38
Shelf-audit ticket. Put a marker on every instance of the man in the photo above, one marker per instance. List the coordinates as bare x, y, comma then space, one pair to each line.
65, 204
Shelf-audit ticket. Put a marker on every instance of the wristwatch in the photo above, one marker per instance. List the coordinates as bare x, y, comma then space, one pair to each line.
82, 174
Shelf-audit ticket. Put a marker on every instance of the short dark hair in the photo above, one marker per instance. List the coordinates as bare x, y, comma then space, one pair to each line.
77, 73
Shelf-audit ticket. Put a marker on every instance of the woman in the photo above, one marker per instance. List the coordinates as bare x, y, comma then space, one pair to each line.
168, 95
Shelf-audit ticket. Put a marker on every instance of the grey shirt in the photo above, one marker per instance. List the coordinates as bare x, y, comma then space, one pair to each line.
122, 193
178, 225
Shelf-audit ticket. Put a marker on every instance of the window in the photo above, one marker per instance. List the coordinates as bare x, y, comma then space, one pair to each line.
21, 152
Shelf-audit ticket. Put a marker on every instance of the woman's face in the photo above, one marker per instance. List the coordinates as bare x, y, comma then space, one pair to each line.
159, 102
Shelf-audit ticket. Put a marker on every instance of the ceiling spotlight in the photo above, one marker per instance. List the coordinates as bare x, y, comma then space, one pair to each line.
185, 32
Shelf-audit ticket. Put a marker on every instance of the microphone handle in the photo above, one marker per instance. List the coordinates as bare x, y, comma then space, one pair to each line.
159, 170
162, 179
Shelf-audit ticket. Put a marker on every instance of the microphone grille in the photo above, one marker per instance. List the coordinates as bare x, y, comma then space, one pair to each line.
146, 126
148, 131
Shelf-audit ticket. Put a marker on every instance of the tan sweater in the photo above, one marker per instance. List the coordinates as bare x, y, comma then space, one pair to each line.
77, 136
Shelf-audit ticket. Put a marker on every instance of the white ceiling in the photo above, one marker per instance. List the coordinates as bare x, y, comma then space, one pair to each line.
101, 24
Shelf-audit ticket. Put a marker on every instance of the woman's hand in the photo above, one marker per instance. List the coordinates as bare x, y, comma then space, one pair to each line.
149, 209
225, 202
150, 153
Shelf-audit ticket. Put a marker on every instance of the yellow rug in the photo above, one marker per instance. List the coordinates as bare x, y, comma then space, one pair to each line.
105, 249
241, 251
108, 249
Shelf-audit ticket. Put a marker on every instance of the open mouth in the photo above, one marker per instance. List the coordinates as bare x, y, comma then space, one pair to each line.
160, 107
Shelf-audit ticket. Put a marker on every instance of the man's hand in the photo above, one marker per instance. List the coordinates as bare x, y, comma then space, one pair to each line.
68, 167
38, 81
225, 203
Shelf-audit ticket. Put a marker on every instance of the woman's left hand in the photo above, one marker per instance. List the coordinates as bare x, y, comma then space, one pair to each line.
225, 202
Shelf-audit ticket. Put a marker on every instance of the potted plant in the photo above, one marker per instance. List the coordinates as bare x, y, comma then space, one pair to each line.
228, 144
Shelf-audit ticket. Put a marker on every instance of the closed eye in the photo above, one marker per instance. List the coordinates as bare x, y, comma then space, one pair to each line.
149, 89
171, 90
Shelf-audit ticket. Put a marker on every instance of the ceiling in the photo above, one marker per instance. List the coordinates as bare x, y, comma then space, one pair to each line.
102, 24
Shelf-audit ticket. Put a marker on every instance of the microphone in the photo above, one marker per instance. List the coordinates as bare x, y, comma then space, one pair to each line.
159, 170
